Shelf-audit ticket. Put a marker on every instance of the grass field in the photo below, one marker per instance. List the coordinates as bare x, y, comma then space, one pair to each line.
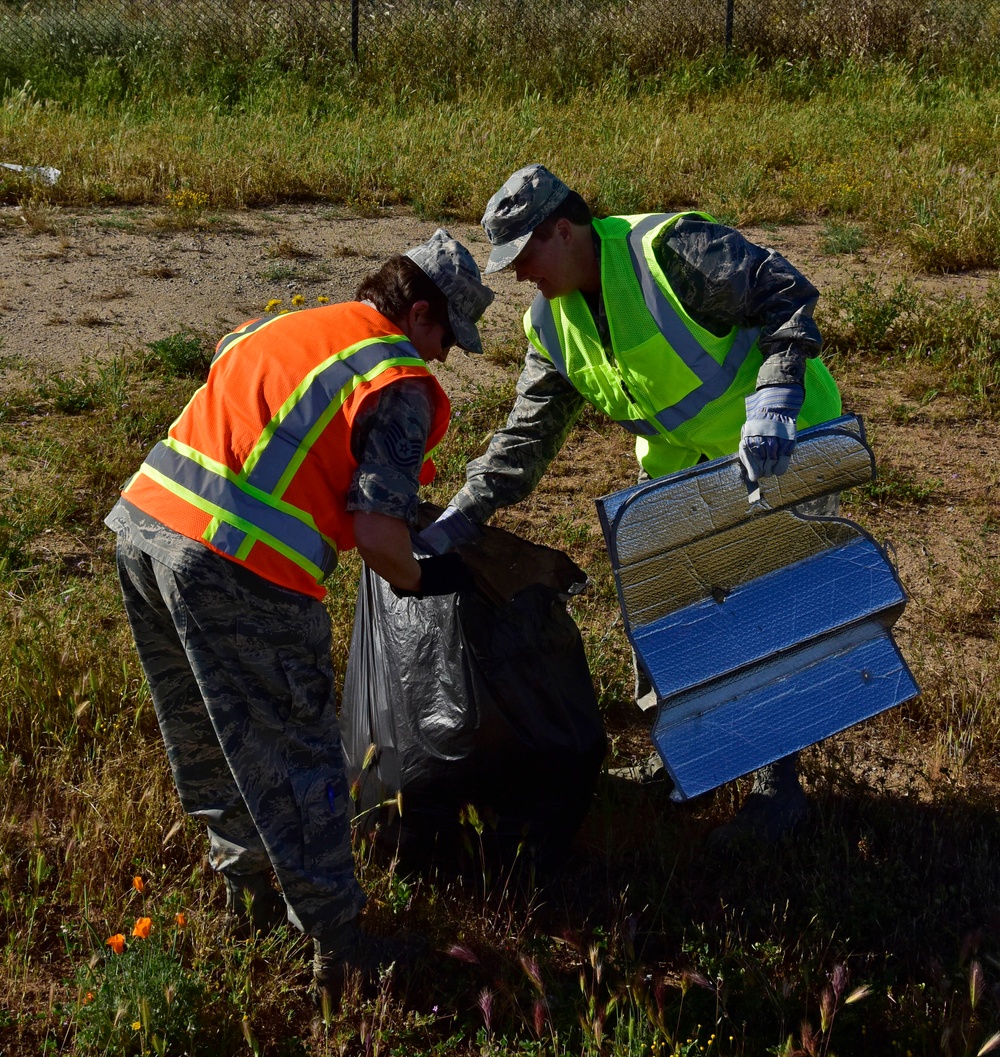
874, 931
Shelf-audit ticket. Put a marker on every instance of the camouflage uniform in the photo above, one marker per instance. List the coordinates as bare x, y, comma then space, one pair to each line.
723, 281
243, 686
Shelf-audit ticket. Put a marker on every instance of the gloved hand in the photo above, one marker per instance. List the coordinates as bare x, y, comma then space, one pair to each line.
444, 574
767, 439
451, 528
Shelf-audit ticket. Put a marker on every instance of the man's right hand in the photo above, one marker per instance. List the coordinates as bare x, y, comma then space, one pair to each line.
443, 574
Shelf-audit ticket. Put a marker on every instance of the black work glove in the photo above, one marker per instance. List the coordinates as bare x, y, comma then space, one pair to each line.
442, 574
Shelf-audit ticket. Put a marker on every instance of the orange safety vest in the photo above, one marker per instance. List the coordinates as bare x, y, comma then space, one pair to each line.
258, 464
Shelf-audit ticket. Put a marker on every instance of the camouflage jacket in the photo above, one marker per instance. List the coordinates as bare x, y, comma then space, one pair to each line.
723, 280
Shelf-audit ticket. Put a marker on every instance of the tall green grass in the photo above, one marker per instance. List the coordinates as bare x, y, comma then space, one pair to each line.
559, 45
908, 150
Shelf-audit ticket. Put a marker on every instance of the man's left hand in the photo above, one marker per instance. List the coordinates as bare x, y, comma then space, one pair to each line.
767, 439
450, 529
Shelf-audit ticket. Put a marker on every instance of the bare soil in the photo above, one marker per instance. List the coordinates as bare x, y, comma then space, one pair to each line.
82, 287
78, 286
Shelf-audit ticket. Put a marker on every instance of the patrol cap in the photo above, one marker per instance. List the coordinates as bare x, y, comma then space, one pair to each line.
450, 265
528, 197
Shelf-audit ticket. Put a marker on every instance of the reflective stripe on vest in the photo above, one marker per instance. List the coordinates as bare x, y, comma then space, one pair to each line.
247, 506
234, 338
242, 514
714, 378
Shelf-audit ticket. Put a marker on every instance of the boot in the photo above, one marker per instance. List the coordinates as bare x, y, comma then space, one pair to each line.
775, 806
252, 905
348, 950
645, 772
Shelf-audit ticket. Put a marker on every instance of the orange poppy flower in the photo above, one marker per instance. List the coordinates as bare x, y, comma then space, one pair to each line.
139, 885
181, 919
143, 927
116, 942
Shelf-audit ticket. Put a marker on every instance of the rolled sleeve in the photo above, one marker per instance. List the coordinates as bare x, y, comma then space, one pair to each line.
389, 440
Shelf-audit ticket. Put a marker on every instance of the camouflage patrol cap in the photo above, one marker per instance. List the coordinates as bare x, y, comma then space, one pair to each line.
450, 265
529, 196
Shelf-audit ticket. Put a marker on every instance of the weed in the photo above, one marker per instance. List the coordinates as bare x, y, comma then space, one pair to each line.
68, 395
276, 273
185, 209
40, 215
136, 993
287, 249
180, 354
838, 238
866, 317
893, 487
116, 293
89, 319
505, 353
116, 223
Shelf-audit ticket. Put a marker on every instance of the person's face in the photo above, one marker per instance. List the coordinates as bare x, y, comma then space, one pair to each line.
548, 262
430, 338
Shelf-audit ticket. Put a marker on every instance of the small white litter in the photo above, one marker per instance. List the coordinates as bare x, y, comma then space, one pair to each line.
44, 174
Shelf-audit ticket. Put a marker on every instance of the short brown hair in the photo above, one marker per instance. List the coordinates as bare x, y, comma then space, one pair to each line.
573, 208
397, 286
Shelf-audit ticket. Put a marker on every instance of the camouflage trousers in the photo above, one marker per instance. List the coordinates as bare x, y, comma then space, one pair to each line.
243, 686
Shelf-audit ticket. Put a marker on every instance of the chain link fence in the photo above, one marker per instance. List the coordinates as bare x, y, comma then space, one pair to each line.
598, 35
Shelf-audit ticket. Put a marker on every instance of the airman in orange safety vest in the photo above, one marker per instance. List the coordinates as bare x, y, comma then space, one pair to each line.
310, 436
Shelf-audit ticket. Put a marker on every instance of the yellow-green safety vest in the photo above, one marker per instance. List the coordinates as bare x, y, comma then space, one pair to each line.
679, 388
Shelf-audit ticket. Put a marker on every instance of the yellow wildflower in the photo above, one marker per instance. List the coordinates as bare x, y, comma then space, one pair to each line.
298, 300
273, 305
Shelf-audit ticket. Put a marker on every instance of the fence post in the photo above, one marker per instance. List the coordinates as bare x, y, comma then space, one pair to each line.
729, 23
354, 30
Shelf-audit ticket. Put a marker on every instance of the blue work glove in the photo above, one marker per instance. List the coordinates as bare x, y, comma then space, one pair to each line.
450, 529
768, 436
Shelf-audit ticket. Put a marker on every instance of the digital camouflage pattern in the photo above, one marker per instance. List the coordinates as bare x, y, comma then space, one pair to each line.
243, 686
244, 692
723, 280
388, 440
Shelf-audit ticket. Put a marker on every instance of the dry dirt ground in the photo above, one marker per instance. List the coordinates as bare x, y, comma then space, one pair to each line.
87, 285
78, 287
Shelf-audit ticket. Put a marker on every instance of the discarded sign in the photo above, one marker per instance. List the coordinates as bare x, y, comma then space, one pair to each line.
762, 629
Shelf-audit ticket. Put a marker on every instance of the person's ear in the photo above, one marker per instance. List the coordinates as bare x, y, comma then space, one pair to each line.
418, 317
564, 229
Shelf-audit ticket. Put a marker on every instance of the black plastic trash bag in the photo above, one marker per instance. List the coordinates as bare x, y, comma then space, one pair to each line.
461, 700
